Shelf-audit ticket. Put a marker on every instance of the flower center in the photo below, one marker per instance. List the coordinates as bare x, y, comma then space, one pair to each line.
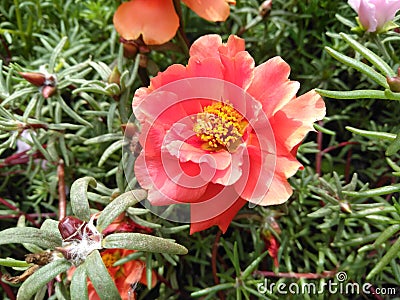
109, 259
220, 126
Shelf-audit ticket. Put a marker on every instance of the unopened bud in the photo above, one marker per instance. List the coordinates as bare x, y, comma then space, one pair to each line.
143, 61
48, 91
394, 82
70, 226
345, 207
35, 78
265, 8
130, 130
115, 76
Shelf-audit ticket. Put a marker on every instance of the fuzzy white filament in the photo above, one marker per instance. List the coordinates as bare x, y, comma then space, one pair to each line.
85, 240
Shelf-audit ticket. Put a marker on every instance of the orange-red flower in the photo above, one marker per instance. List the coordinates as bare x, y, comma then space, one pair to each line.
156, 20
221, 132
125, 276
125, 224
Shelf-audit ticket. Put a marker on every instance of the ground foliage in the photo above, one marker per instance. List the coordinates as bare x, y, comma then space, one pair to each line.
327, 226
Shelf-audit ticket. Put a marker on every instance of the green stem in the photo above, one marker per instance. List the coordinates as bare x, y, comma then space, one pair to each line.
19, 20
181, 35
381, 47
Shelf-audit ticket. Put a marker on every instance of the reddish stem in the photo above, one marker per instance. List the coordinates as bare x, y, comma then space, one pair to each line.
7, 58
14, 208
376, 296
62, 197
325, 274
347, 166
35, 215
19, 158
320, 153
342, 144
7, 289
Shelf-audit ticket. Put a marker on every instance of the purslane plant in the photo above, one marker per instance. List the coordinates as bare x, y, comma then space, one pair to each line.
76, 241
380, 72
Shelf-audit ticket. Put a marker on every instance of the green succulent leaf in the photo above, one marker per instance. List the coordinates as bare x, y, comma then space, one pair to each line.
143, 242
385, 190
359, 66
79, 284
372, 134
394, 147
79, 198
41, 277
10, 262
374, 59
99, 276
392, 253
357, 94
119, 205
51, 226
41, 238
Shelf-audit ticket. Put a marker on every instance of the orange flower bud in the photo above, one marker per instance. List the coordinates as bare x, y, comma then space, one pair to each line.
48, 91
265, 8
115, 76
394, 82
35, 78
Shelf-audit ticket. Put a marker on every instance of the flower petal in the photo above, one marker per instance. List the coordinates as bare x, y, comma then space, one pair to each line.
211, 10
239, 69
298, 116
279, 191
205, 211
257, 173
233, 46
206, 47
156, 20
271, 85
367, 16
162, 189
386, 11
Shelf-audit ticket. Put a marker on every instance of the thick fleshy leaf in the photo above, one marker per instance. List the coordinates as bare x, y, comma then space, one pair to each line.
99, 276
78, 287
38, 237
142, 242
41, 277
117, 206
10, 262
51, 226
79, 199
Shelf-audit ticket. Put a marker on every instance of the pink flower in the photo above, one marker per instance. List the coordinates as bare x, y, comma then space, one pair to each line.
373, 15
220, 132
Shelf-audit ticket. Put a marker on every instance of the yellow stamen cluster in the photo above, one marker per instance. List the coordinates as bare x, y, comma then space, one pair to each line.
110, 258
220, 126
